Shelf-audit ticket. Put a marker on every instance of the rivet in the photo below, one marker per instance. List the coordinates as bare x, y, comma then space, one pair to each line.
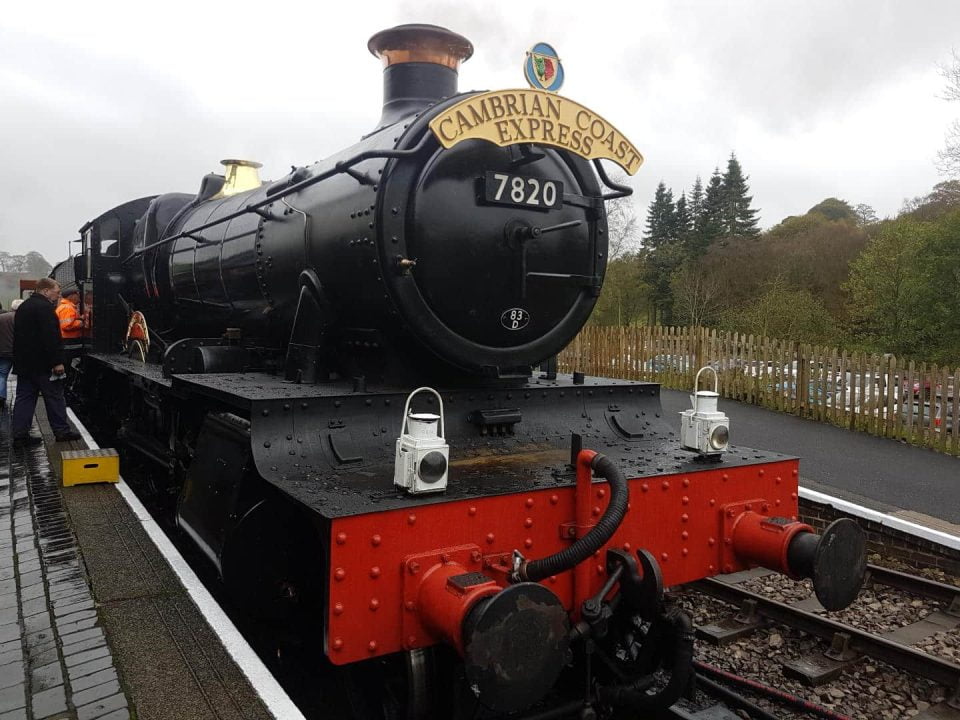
374, 604
338, 644
644, 487
475, 556
796, 472
626, 546
372, 646
413, 567
571, 532
725, 477
553, 578
712, 502
711, 568
664, 557
601, 493
777, 502
762, 472
472, 510
266, 443
529, 502
409, 606
711, 542
600, 569
528, 543
376, 540
528, 523
749, 506
684, 517
629, 506
596, 553
686, 482
793, 496
375, 571
338, 609
684, 535
684, 552
665, 484
685, 500
411, 519
596, 510
554, 499
490, 538
341, 538
339, 574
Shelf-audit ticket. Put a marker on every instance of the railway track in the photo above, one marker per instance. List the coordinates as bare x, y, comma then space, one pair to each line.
847, 643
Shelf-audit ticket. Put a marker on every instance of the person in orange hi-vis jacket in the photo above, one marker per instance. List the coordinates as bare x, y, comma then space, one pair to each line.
71, 322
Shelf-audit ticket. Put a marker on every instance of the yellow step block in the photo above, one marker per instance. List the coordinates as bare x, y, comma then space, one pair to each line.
79, 467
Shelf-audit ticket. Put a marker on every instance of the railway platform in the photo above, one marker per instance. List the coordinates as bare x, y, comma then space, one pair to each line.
98, 621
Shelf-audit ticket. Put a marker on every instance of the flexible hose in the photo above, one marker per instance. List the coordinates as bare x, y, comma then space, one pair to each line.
568, 558
681, 627
760, 688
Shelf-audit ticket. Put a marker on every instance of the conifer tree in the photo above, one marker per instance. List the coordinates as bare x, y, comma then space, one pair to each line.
711, 219
738, 218
681, 218
660, 218
695, 203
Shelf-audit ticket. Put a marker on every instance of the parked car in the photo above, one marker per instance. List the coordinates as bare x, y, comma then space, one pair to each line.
932, 415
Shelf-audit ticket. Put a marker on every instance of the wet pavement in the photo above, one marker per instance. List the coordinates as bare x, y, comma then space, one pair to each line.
94, 623
55, 661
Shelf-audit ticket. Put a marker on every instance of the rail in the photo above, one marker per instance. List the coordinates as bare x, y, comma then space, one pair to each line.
900, 656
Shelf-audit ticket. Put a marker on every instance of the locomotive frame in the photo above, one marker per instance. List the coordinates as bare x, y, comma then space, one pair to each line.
272, 396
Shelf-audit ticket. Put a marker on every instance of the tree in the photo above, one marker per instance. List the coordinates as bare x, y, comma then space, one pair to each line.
834, 209
784, 312
623, 300
711, 219
949, 158
622, 228
696, 290
865, 215
739, 219
660, 218
883, 287
36, 264
681, 219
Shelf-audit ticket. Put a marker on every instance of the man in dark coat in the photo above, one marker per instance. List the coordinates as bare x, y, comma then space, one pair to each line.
38, 363
6, 349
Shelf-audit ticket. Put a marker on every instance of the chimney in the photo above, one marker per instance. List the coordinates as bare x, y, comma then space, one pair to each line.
420, 64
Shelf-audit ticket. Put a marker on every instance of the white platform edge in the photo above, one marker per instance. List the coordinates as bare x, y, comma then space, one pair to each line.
264, 684
894, 523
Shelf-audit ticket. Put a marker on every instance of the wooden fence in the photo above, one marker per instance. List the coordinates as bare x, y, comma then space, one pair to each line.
878, 394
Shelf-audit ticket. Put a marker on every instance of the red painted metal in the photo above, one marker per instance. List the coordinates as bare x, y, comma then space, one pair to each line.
586, 518
760, 540
442, 604
681, 519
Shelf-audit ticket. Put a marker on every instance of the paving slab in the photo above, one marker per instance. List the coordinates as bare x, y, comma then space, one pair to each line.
94, 623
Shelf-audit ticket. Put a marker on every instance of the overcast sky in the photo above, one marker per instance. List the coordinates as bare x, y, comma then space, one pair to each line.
104, 102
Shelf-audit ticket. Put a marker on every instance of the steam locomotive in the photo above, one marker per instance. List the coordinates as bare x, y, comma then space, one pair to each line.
346, 379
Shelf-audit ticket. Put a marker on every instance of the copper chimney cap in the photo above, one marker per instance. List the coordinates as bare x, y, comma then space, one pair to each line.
420, 43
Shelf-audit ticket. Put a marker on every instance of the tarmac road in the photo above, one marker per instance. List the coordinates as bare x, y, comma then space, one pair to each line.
880, 473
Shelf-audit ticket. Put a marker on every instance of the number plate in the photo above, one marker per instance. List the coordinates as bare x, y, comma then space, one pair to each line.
527, 192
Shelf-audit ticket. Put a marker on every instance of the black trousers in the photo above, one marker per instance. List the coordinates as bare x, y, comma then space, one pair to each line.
28, 387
